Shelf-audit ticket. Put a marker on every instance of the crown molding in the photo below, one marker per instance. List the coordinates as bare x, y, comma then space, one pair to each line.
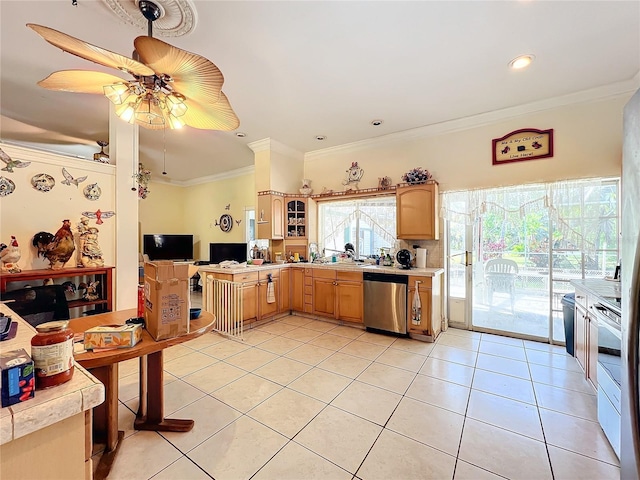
238, 172
29, 154
274, 146
585, 96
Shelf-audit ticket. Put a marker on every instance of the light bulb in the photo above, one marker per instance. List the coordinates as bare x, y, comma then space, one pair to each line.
127, 112
175, 122
175, 104
117, 93
521, 62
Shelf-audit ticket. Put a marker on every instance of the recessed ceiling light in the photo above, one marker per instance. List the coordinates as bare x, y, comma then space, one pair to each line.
321, 137
377, 123
521, 62
241, 134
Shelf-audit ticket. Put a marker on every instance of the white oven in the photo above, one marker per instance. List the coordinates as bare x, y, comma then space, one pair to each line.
609, 372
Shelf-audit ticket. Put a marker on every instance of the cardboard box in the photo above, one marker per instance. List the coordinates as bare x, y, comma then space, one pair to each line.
166, 303
112, 336
17, 380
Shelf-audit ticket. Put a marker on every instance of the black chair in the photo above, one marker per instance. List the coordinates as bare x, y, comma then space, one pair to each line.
38, 305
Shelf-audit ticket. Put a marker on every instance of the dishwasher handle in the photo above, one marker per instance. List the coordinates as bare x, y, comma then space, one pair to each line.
385, 277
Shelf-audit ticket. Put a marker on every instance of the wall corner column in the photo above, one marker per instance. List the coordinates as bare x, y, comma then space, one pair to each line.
124, 151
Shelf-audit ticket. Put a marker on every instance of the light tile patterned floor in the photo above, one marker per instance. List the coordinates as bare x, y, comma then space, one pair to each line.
303, 399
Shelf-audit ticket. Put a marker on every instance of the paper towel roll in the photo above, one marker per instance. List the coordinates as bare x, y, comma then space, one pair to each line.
421, 258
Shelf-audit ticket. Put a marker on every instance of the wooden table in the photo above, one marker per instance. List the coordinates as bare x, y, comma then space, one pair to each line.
104, 366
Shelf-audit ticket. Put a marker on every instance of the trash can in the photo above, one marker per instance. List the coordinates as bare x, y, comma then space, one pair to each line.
568, 310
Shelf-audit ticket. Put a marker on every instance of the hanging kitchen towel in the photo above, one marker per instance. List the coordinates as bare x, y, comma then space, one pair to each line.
416, 307
271, 297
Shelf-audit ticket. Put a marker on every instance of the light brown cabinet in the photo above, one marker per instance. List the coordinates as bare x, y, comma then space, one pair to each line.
417, 212
430, 323
270, 217
266, 309
296, 218
349, 300
285, 290
338, 295
297, 289
324, 292
254, 293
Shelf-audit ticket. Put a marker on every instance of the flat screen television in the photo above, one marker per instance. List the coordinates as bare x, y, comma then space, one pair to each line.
219, 252
168, 247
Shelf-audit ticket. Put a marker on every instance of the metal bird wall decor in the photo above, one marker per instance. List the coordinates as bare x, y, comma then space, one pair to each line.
69, 180
11, 164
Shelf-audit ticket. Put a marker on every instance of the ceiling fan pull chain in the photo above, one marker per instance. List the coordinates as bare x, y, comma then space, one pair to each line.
164, 151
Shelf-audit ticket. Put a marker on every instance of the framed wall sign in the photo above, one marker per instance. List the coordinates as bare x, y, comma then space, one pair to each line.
524, 144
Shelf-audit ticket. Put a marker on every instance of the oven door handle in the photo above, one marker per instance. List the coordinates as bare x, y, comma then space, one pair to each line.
613, 327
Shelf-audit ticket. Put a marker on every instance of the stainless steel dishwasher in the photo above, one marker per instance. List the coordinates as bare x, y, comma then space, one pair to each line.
385, 301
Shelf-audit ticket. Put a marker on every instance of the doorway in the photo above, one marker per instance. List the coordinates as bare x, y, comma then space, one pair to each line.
512, 253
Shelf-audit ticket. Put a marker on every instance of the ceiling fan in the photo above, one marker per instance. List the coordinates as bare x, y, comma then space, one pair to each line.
170, 87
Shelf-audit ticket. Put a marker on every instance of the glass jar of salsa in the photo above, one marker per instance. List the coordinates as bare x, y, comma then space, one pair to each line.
52, 353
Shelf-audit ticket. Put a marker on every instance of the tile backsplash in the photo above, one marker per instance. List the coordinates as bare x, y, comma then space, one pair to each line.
435, 250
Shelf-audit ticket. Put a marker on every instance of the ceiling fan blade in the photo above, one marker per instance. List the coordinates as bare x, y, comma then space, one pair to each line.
90, 52
79, 81
193, 76
219, 116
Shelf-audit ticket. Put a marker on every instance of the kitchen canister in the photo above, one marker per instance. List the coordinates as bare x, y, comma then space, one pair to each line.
421, 258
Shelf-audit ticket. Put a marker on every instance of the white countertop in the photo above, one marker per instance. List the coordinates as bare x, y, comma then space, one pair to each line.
51, 405
343, 266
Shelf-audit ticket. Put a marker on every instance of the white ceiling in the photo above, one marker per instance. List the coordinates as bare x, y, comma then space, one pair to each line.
294, 70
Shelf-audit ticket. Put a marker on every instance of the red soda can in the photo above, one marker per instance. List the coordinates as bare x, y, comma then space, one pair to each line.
140, 301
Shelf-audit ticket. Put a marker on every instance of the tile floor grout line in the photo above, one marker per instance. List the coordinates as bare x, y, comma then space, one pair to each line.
351, 381
544, 435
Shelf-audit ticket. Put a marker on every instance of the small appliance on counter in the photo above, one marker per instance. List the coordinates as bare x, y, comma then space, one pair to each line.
404, 259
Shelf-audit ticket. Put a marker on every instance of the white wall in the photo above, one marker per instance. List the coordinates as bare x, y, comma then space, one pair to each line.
587, 143
28, 211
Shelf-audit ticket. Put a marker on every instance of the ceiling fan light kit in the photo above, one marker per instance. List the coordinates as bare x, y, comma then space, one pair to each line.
171, 87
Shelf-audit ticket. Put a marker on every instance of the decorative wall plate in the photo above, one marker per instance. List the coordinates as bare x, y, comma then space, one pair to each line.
43, 182
92, 191
6, 187
226, 222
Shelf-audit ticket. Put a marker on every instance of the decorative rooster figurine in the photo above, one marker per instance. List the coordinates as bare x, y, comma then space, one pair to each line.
57, 248
9, 255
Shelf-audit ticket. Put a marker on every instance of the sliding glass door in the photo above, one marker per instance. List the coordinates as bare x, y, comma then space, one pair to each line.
510, 292
512, 253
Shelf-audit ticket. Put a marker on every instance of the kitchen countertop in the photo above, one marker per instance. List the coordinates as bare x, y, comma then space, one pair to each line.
49, 406
605, 290
339, 266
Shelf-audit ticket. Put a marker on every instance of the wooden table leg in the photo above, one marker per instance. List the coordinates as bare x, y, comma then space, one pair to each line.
152, 390
105, 419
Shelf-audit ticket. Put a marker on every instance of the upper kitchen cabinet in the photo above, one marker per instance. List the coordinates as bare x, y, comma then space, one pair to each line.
417, 212
296, 218
270, 216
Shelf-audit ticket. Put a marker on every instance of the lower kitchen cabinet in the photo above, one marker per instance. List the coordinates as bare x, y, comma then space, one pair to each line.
254, 287
297, 289
249, 302
285, 290
338, 295
266, 309
349, 303
430, 323
324, 293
